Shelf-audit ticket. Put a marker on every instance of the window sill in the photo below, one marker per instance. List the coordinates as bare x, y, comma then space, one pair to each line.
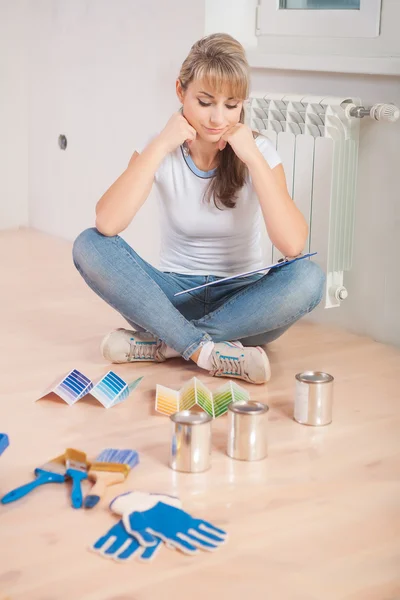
386, 65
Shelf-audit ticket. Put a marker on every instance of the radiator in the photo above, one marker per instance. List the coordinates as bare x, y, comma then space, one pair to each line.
318, 145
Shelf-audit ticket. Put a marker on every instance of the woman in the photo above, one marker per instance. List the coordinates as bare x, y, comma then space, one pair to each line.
215, 181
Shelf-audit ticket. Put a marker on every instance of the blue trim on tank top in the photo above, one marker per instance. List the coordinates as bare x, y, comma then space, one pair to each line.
203, 174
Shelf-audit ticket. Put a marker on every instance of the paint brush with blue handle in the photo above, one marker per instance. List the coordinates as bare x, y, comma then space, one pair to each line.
51, 472
76, 469
4, 442
110, 467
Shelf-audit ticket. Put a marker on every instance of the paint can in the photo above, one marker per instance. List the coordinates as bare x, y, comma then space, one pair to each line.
190, 449
247, 430
313, 398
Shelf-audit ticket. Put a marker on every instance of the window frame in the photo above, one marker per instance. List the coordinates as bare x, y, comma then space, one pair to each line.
346, 23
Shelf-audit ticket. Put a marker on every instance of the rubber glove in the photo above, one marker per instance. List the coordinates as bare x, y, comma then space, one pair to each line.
119, 545
148, 517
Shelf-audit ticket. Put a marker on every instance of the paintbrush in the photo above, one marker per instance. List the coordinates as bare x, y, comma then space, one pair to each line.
111, 466
76, 469
50, 472
3, 442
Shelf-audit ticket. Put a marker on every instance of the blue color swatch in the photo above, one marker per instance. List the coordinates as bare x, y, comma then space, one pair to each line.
73, 387
112, 390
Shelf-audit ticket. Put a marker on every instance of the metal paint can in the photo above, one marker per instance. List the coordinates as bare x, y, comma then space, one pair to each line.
313, 398
190, 449
247, 430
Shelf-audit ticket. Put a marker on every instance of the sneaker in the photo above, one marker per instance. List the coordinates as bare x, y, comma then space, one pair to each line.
123, 345
248, 363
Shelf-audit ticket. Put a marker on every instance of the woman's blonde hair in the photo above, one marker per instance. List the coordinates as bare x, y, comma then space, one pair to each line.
220, 61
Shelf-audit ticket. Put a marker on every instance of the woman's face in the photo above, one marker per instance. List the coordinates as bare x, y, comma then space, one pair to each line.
211, 114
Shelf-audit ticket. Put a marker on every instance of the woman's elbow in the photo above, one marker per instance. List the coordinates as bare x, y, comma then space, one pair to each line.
300, 244
296, 247
104, 230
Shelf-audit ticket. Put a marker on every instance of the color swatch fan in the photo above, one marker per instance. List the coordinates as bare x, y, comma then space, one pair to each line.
194, 392
110, 390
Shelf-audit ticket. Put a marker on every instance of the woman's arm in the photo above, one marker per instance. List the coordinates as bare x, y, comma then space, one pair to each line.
117, 207
120, 203
286, 226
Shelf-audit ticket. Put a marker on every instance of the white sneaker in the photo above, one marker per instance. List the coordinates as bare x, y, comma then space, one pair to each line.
248, 363
124, 345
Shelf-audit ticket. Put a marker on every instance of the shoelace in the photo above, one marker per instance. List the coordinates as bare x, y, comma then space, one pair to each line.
144, 351
230, 366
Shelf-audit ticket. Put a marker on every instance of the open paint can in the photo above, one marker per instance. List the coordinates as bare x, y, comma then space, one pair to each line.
313, 398
190, 449
247, 430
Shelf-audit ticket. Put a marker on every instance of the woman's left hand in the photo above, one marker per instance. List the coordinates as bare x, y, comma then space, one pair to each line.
240, 137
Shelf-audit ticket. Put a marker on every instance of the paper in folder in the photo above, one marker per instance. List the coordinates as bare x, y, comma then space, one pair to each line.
280, 263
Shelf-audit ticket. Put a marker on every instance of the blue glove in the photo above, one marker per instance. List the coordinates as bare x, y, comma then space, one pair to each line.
149, 517
119, 545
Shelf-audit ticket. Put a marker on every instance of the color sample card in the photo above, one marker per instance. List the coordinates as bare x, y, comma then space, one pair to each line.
167, 400
194, 392
230, 392
74, 386
112, 390
109, 390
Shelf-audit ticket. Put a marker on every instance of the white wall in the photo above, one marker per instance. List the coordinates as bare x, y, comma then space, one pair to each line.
13, 115
236, 17
103, 74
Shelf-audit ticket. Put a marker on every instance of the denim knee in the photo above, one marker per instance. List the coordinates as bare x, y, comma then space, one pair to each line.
304, 283
83, 246
88, 248
310, 281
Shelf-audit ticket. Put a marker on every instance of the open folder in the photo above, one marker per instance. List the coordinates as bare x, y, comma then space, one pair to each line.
281, 262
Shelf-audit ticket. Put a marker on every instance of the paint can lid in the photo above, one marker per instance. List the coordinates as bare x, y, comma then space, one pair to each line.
314, 377
248, 407
188, 417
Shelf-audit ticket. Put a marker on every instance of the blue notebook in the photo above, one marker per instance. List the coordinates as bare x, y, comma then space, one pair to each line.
280, 263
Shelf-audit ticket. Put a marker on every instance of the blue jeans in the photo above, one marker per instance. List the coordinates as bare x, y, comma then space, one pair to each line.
255, 309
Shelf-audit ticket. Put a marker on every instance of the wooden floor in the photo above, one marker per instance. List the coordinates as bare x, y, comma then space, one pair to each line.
319, 519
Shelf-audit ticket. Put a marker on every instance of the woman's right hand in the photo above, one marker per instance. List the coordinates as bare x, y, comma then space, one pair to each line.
176, 132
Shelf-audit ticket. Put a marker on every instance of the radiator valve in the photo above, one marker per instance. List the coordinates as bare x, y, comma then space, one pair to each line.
341, 293
379, 112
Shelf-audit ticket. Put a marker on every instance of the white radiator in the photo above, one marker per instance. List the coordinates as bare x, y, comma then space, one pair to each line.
318, 144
